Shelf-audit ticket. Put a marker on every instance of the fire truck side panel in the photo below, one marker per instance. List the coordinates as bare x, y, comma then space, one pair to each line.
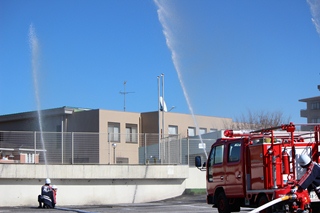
256, 167
235, 174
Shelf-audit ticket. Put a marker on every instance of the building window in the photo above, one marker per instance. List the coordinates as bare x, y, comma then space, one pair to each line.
315, 105
114, 132
315, 120
191, 131
202, 131
173, 130
213, 130
131, 133
122, 160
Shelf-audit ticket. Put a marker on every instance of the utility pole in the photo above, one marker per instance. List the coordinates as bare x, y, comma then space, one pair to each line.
163, 104
159, 128
161, 107
124, 95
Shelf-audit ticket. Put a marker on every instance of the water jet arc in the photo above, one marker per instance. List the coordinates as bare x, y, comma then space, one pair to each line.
34, 46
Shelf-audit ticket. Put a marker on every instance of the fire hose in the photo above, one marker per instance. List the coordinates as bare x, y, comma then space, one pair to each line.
273, 202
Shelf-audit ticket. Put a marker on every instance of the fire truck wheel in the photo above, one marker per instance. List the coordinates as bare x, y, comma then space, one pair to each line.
235, 206
222, 203
263, 200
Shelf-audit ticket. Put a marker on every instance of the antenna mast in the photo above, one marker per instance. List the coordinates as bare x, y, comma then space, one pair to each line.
124, 95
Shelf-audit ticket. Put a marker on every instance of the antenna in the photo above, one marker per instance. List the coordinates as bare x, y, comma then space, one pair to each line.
124, 95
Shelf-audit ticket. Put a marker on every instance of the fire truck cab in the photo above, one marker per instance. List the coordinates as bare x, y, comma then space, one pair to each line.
249, 169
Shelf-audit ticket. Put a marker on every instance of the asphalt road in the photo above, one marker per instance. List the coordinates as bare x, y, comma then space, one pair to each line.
182, 204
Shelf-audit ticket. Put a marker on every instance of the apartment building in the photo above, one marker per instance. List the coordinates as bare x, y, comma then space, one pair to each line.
312, 111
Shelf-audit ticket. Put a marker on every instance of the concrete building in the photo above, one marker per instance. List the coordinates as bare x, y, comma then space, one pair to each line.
312, 112
120, 127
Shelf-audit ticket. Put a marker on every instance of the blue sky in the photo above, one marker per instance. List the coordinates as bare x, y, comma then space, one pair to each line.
231, 56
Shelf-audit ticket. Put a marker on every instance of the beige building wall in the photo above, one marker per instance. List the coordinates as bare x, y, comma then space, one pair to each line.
185, 121
123, 149
151, 121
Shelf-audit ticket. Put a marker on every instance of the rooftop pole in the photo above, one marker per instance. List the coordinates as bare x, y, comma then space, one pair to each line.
159, 128
124, 95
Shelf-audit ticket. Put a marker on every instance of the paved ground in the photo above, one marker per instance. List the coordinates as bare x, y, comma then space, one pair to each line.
182, 204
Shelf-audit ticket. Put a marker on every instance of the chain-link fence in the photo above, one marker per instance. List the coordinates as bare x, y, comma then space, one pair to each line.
99, 148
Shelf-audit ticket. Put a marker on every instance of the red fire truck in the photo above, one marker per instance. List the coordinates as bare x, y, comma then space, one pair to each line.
252, 168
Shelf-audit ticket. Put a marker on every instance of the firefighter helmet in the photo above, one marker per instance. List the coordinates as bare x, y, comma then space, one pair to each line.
48, 181
304, 160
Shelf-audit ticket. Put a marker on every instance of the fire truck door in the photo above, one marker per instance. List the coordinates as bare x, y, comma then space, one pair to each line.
216, 169
234, 169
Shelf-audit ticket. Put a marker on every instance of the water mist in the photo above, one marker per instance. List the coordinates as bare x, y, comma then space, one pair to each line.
315, 12
34, 46
164, 18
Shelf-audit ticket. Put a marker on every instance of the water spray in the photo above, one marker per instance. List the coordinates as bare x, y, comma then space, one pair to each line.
34, 46
163, 18
315, 12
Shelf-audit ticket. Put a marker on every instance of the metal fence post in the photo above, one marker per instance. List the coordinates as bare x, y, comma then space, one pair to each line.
109, 155
145, 148
169, 149
188, 154
180, 150
34, 145
72, 147
62, 160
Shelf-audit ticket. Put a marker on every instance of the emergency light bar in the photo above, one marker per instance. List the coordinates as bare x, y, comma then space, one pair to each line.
235, 133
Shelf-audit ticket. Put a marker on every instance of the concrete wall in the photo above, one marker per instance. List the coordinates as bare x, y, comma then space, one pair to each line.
92, 184
196, 179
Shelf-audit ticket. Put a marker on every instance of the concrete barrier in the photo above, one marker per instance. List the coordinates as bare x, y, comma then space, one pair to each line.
92, 184
196, 179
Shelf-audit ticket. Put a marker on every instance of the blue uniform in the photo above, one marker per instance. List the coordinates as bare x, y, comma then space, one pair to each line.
311, 178
46, 196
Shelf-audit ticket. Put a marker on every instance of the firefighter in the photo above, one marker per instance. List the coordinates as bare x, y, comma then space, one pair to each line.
46, 199
311, 179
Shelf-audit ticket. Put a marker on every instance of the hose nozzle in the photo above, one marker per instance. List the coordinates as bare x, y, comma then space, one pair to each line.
287, 197
291, 197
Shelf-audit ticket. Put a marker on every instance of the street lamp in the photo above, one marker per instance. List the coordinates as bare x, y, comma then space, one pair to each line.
114, 145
